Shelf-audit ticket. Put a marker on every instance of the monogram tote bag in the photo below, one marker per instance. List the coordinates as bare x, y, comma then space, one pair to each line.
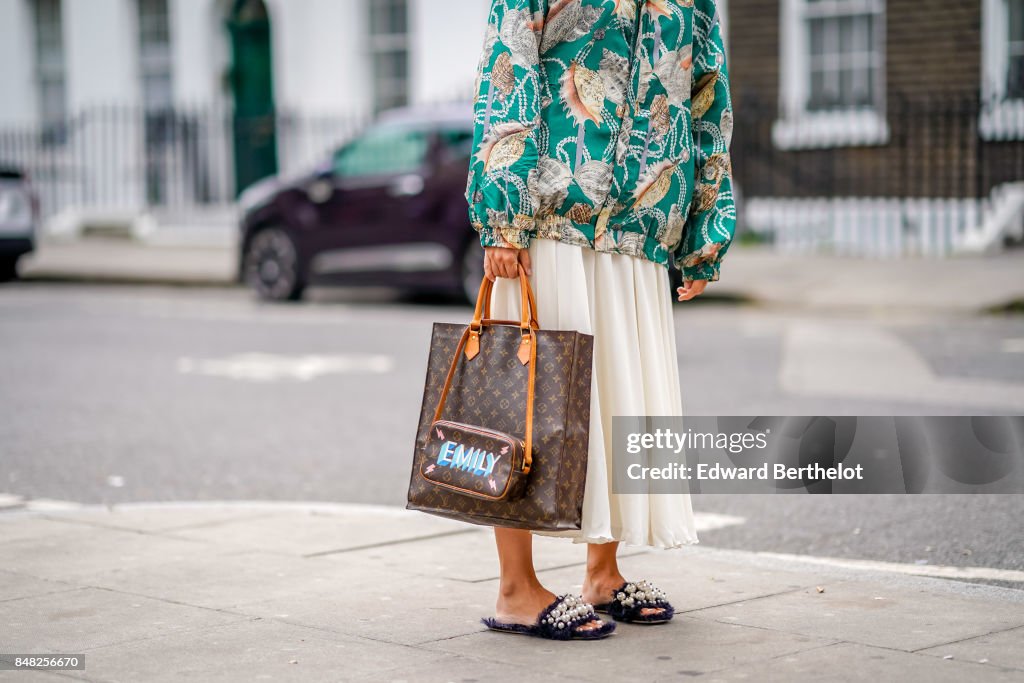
505, 422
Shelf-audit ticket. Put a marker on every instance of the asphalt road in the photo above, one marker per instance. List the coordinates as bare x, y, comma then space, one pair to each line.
113, 394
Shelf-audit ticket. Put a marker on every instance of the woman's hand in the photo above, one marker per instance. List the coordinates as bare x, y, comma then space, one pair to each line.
505, 262
691, 289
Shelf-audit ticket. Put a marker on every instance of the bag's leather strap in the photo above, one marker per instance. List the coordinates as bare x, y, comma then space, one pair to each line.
527, 351
532, 302
482, 311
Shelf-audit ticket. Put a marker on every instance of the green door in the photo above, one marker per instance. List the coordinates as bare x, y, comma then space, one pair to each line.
253, 88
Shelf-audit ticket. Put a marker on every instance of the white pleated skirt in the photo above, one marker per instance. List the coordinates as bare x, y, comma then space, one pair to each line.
626, 303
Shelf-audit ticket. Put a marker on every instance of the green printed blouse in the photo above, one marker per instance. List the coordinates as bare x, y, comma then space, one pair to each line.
605, 124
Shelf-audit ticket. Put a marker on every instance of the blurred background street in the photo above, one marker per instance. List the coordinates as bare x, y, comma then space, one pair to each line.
149, 393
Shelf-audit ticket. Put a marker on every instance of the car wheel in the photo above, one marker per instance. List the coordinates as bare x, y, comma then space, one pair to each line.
472, 270
8, 268
272, 266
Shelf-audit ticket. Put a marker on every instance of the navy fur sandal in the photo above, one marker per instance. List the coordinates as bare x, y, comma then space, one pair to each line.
561, 620
631, 598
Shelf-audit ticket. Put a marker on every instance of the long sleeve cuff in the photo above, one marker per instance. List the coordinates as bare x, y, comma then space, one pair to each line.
704, 263
498, 232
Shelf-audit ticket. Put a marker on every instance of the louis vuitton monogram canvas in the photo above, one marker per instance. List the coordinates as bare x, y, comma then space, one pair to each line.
605, 124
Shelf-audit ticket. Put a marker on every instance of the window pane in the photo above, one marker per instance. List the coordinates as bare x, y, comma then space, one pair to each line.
1015, 12
382, 152
388, 17
1015, 78
49, 41
155, 54
816, 28
391, 65
153, 22
389, 52
457, 141
841, 46
817, 96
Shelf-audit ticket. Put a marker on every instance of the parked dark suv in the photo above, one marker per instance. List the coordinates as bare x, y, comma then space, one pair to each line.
387, 209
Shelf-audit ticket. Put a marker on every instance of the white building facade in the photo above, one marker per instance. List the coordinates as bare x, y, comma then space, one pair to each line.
126, 105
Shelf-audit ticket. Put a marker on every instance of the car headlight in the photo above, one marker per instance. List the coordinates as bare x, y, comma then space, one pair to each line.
15, 206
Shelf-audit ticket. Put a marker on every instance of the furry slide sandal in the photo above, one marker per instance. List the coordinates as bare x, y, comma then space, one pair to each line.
630, 601
561, 620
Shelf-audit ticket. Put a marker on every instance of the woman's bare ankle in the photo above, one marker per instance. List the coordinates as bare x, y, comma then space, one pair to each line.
522, 602
600, 583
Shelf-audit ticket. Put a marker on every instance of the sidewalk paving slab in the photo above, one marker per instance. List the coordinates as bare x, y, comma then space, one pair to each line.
84, 551
14, 586
871, 614
251, 594
87, 618
318, 534
384, 606
853, 662
685, 644
1005, 648
248, 650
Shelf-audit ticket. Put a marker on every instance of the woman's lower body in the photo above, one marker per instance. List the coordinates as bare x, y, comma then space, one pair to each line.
626, 303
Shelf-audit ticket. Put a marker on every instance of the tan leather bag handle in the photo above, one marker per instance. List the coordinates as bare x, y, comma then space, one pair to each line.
482, 311
527, 353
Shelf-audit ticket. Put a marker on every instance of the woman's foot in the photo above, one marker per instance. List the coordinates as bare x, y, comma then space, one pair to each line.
568, 617
523, 605
600, 589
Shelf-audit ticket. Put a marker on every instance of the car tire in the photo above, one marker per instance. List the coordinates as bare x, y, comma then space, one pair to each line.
472, 272
272, 267
8, 268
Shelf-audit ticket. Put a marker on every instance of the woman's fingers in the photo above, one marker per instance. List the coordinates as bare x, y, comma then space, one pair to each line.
503, 261
488, 266
524, 261
511, 265
691, 289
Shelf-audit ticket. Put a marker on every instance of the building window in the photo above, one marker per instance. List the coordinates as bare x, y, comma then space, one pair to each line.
389, 53
1002, 83
1015, 50
843, 58
50, 76
155, 54
156, 88
833, 73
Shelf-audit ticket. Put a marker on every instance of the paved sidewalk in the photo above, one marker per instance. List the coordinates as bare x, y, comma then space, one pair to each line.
754, 274
241, 592
123, 261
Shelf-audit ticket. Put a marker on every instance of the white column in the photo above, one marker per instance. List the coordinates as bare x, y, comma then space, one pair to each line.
200, 50
446, 42
320, 55
106, 140
17, 55
101, 47
321, 75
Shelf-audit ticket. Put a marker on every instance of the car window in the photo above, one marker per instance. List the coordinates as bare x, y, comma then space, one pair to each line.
456, 141
382, 151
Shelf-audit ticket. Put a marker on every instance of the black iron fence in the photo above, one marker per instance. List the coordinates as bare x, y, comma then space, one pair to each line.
928, 180
125, 158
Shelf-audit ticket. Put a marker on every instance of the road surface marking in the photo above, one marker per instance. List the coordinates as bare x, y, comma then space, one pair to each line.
938, 571
859, 362
709, 521
1013, 345
268, 367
